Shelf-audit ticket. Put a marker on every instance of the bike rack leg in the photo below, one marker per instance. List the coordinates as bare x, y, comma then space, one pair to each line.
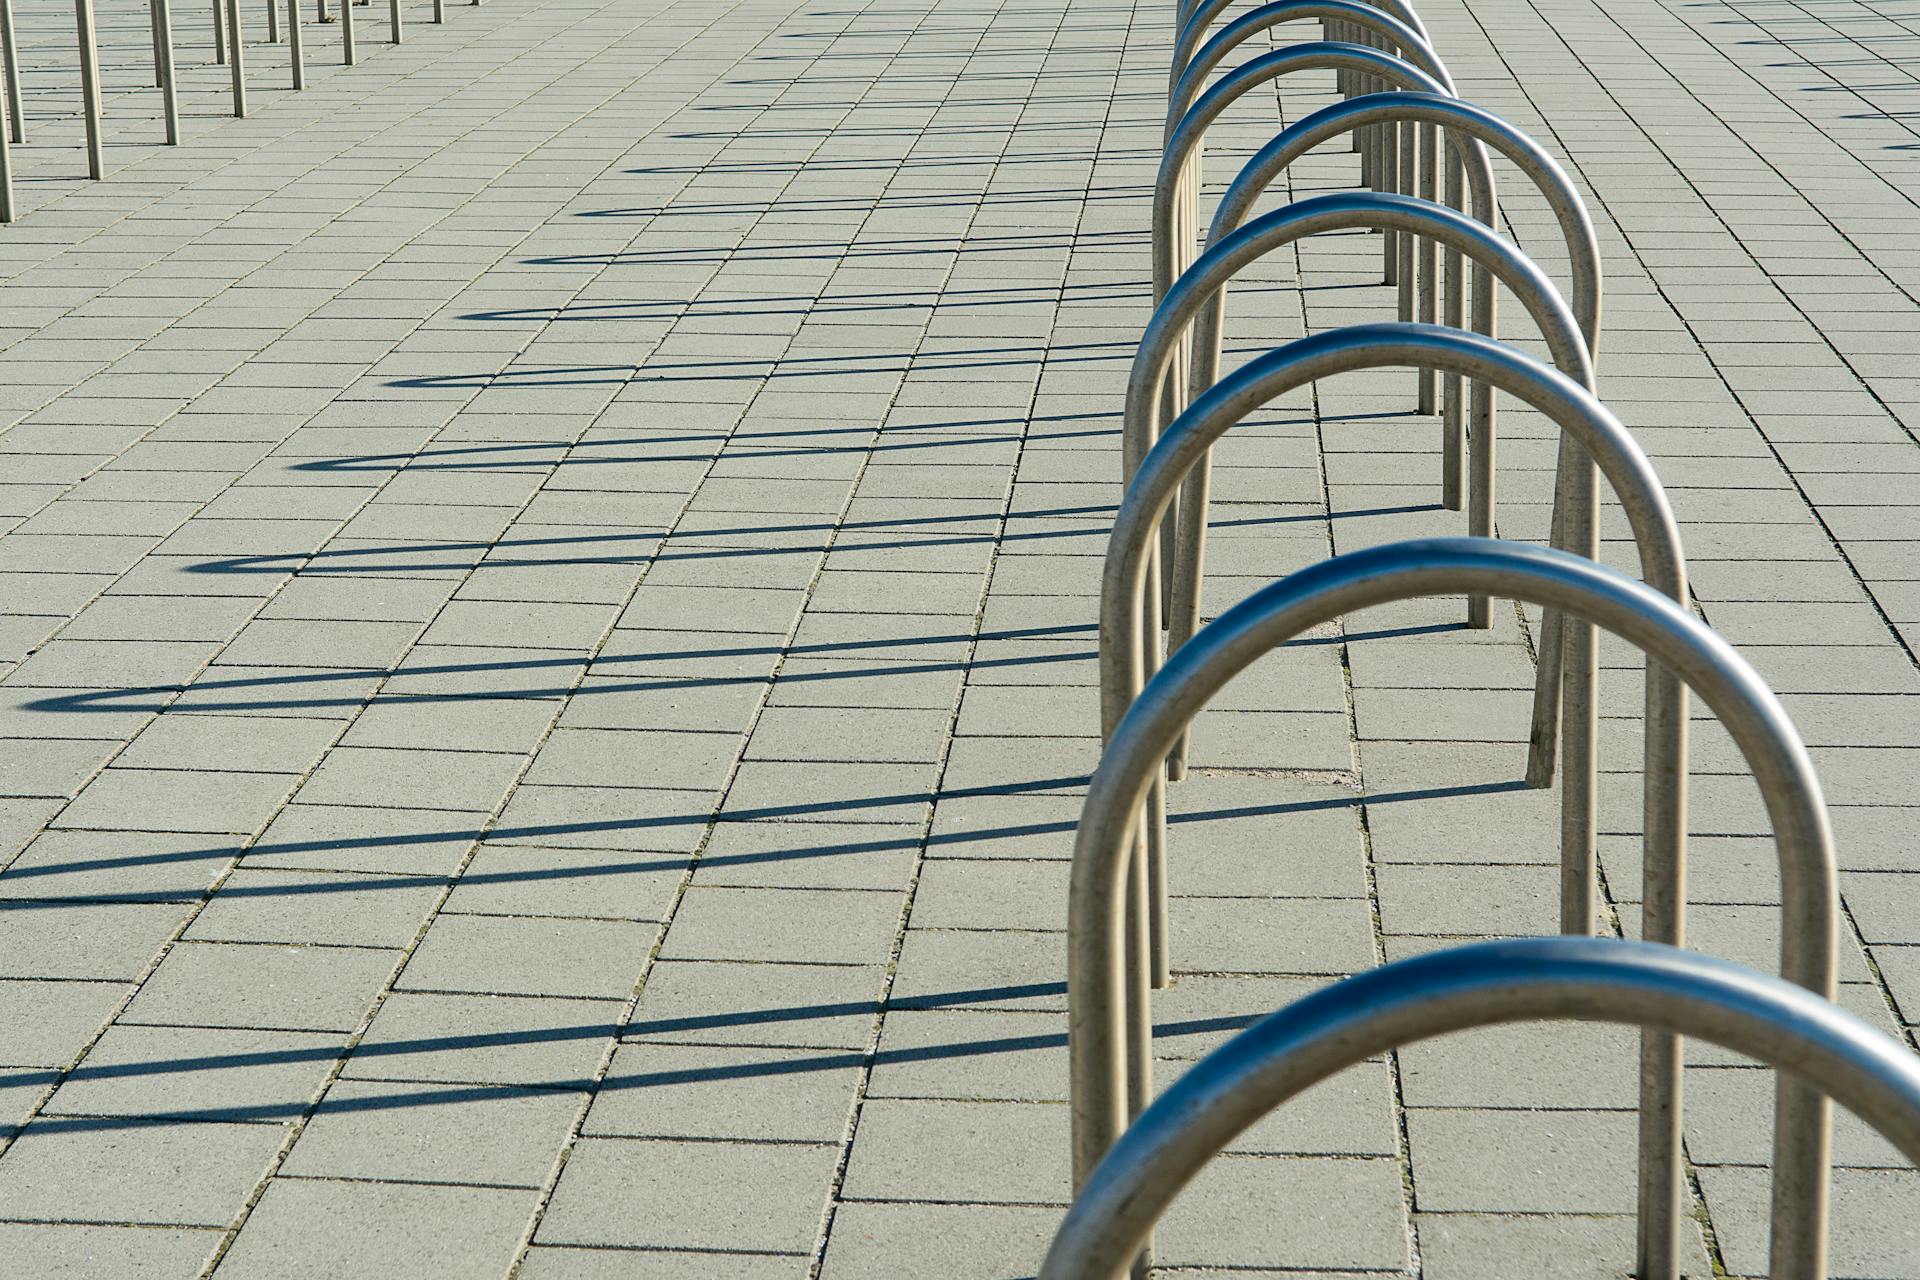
90, 87
219, 34
6, 167
296, 55
439, 10
273, 22
348, 53
393, 19
1480, 439
10, 55
235, 61
153, 29
163, 57
1429, 251
1453, 432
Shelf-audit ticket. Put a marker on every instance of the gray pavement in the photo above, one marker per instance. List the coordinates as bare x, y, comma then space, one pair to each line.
546, 611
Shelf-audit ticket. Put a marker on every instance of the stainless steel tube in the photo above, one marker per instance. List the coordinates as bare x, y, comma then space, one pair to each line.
1099, 970
169, 90
1284, 1054
90, 87
10, 70
296, 52
236, 60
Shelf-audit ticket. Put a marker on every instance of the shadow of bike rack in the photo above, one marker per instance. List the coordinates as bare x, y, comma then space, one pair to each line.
1110, 905
1664, 991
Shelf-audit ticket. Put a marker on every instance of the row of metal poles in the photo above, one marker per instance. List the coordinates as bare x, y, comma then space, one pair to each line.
228, 49
1426, 158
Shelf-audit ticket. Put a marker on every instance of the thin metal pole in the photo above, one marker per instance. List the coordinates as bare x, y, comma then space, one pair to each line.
439, 10
10, 55
153, 28
347, 51
6, 169
219, 34
235, 60
393, 19
273, 22
90, 87
1429, 251
296, 55
320, 13
169, 92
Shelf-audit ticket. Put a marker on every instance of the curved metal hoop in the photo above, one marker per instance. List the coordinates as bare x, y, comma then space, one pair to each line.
1108, 998
1459, 119
1193, 20
1185, 137
1413, 45
1493, 257
1590, 980
1130, 593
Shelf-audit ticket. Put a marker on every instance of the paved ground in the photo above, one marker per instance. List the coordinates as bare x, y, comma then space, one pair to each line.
546, 620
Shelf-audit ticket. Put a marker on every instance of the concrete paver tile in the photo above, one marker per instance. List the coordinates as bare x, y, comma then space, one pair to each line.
314, 1227
765, 1198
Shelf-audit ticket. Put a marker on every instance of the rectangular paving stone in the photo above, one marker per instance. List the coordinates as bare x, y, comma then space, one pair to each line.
707, 1195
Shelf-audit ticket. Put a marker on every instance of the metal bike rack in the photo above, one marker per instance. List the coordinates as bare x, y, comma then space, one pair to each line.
1130, 596
1169, 226
348, 53
1379, 30
1195, 19
1168, 342
1662, 989
1108, 930
1457, 118
1175, 216
1201, 292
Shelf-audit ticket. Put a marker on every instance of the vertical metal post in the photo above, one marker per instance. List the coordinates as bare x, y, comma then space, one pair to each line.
10, 55
219, 34
1429, 250
273, 22
89, 87
320, 13
153, 26
347, 51
439, 10
234, 60
6, 167
163, 46
393, 19
295, 54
